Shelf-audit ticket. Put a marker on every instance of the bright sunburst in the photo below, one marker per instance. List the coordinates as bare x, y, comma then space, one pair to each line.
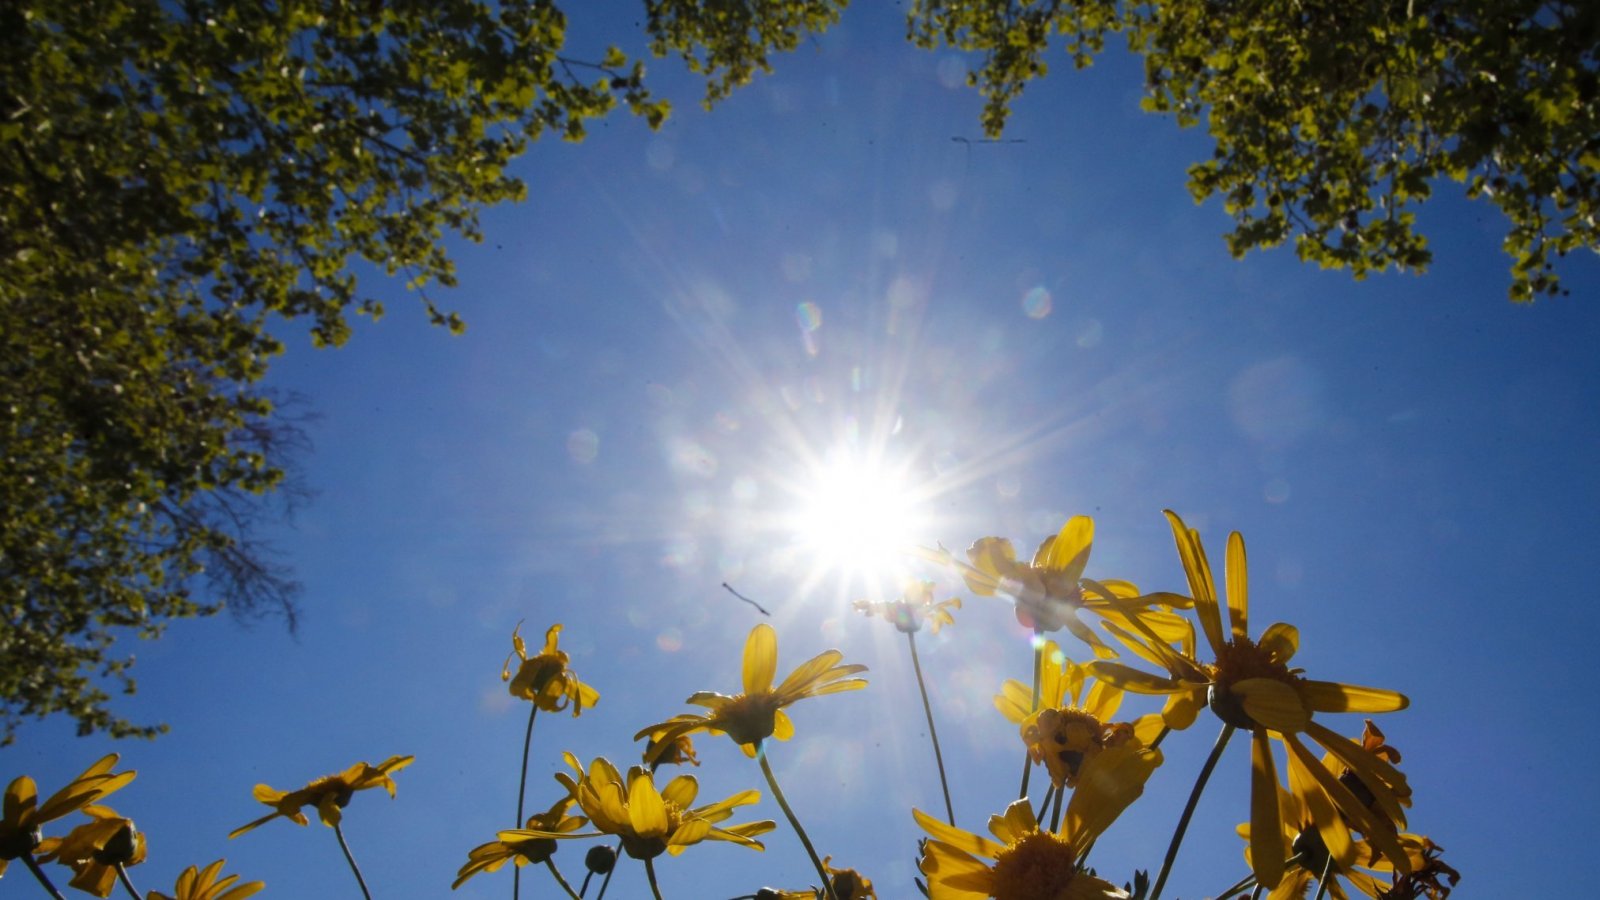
857, 517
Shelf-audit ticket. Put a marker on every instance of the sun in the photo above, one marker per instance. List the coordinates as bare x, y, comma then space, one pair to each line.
857, 517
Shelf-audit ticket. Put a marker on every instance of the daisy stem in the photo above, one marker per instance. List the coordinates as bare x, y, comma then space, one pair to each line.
938, 757
522, 787
1188, 810
1055, 812
43, 878
127, 884
650, 872
777, 793
1245, 882
339, 833
559, 880
1044, 804
1038, 674
1326, 879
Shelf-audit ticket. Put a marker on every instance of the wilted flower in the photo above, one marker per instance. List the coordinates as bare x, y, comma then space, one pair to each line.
915, 606
202, 884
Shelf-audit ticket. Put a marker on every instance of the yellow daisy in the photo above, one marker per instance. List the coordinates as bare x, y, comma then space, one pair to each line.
95, 849
23, 815
491, 856
545, 679
1314, 844
649, 822
1030, 863
1068, 731
915, 606
678, 751
757, 714
1050, 590
328, 794
203, 884
1250, 686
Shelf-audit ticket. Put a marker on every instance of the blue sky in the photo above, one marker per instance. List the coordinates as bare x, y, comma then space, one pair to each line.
678, 328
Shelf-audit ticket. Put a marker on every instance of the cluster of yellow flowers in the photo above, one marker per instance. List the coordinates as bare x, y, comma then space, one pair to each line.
1327, 821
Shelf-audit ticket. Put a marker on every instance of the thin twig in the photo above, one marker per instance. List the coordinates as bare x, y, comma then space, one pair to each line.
758, 606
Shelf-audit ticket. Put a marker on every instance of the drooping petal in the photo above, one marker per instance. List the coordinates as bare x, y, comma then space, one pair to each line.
782, 725
1387, 784
760, 659
1107, 783
1320, 810
1266, 829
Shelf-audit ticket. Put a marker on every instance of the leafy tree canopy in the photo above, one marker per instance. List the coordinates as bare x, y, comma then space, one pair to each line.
176, 173
1333, 119
173, 173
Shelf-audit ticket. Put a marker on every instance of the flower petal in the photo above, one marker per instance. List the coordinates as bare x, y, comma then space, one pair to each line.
1266, 829
760, 659
1238, 588
1069, 552
647, 814
1331, 696
965, 841
1272, 703
1280, 641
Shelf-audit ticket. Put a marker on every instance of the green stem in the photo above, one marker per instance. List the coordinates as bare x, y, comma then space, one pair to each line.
927, 709
522, 787
339, 833
1055, 812
559, 880
777, 793
1237, 886
650, 872
39, 874
1038, 674
127, 884
1326, 878
1188, 810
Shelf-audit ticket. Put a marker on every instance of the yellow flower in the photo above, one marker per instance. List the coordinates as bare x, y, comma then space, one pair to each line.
95, 848
328, 794
1050, 590
23, 815
491, 856
1316, 835
915, 606
648, 821
1250, 686
847, 884
757, 714
678, 751
545, 679
1067, 731
1030, 863
202, 884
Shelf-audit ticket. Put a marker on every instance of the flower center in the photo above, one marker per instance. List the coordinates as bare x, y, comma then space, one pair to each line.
749, 718
1241, 659
1038, 867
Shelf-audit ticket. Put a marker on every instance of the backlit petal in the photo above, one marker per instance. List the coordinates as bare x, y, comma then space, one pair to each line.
760, 659
1238, 588
647, 814
1272, 703
1266, 831
1330, 696
1069, 552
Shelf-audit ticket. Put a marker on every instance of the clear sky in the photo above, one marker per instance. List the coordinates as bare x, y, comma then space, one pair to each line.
678, 330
